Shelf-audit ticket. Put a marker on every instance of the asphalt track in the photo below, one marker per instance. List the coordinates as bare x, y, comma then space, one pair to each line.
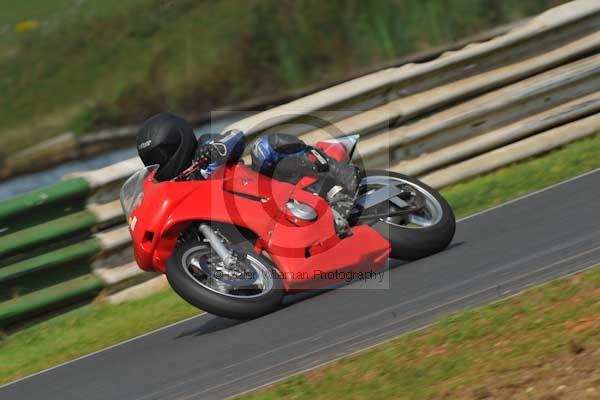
546, 235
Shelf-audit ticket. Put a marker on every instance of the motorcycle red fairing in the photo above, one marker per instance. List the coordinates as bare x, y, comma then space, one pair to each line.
305, 252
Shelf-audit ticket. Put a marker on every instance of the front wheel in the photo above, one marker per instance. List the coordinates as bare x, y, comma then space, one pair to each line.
244, 291
412, 235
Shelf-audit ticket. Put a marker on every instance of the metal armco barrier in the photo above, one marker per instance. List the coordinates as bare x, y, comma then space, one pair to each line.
464, 113
43, 204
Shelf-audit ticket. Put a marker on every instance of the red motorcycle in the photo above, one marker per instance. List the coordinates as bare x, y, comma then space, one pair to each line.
235, 244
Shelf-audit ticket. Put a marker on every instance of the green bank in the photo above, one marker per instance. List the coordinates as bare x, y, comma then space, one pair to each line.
83, 65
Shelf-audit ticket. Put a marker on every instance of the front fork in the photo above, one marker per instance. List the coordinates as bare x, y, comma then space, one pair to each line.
217, 245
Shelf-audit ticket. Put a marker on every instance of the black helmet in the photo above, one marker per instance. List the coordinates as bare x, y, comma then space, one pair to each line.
167, 140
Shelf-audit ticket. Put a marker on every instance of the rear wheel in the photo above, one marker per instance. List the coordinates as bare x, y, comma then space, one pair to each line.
248, 289
427, 229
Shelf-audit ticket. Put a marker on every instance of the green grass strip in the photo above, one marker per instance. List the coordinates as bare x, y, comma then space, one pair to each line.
94, 327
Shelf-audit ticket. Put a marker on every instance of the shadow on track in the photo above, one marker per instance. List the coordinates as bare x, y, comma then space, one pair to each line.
216, 323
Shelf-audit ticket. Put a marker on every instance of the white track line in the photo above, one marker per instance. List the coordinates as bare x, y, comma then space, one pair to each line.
203, 314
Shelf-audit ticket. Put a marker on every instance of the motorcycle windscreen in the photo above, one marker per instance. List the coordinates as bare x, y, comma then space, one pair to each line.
133, 189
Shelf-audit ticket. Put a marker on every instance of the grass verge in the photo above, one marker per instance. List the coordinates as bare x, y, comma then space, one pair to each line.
97, 326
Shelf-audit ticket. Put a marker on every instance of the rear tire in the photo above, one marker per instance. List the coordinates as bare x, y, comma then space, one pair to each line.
413, 243
236, 307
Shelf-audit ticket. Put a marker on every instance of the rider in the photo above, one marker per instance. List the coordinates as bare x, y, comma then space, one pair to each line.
169, 141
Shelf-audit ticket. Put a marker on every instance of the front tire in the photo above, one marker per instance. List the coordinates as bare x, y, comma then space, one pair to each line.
236, 306
411, 241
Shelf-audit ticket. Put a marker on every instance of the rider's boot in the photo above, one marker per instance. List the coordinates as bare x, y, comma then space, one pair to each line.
343, 187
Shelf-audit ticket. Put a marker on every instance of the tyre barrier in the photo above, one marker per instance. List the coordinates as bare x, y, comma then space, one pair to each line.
464, 113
